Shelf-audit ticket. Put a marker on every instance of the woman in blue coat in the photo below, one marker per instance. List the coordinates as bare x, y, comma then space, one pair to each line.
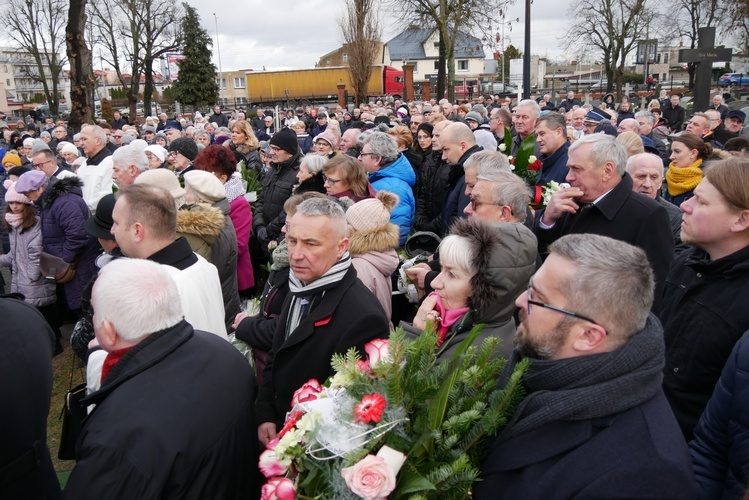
720, 449
389, 170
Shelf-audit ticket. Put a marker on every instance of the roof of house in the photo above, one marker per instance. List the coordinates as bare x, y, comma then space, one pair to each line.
409, 44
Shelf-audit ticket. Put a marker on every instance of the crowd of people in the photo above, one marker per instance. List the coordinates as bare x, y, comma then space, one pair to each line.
625, 292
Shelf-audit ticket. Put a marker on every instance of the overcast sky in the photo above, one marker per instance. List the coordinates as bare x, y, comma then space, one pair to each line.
280, 34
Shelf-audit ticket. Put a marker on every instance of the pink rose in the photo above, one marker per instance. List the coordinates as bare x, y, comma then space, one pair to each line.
278, 488
377, 350
363, 365
371, 478
307, 392
270, 465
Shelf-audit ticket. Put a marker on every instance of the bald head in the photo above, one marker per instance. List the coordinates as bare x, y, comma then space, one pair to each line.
628, 125
456, 139
439, 127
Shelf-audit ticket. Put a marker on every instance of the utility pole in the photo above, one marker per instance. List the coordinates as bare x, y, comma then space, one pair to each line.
220, 71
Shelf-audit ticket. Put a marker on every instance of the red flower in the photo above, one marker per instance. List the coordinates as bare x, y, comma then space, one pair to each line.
291, 421
536, 165
307, 392
370, 409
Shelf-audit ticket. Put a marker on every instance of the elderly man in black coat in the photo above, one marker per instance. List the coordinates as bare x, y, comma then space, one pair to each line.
601, 201
594, 422
173, 417
328, 311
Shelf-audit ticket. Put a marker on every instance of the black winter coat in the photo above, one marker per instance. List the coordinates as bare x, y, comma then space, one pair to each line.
431, 197
173, 420
704, 315
26, 470
347, 316
277, 183
637, 453
720, 449
626, 216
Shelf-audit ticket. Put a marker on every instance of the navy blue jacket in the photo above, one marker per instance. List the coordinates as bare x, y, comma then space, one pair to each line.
720, 449
638, 453
554, 166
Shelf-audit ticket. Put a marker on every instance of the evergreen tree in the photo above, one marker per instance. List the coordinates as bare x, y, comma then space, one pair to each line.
197, 74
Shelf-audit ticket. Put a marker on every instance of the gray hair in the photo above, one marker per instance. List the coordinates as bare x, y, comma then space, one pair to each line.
650, 117
487, 162
509, 189
532, 105
315, 207
633, 160
200, 133
314, 162
131, 155
480, 109
382, 145
613, 282
97, 132
605, 149
138, 297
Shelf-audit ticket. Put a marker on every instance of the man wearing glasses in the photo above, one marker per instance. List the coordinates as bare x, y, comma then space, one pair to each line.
594, 417
46, 161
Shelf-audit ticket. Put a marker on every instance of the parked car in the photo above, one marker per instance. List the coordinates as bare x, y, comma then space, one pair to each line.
499, 88
599, 86
734, 80
673, 84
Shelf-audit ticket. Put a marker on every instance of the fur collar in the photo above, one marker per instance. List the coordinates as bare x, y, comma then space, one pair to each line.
201, 220
373, 240
59, 187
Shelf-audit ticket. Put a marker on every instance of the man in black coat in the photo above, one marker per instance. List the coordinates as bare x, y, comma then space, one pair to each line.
458, 144
328, 311
704, 308
173, 416
26, 373
601, 201
218, 118
674, 114
594, 422
278, 183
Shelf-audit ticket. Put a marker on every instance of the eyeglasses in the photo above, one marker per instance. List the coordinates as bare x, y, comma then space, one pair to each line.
476, 203
366, 154
275, 149
547, 306
40, 165
326, 179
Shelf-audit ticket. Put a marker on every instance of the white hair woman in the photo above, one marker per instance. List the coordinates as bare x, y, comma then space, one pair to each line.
483, 270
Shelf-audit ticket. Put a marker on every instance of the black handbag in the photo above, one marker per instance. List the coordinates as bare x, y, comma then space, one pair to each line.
73, 414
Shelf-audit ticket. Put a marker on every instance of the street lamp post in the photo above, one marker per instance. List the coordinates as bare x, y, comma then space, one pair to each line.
220, 71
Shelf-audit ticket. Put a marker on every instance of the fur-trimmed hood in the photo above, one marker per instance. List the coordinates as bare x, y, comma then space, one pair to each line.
59, 187
200, 220
373, 240
505, 261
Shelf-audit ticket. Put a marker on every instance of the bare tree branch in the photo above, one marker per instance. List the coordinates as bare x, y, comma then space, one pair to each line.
361, 31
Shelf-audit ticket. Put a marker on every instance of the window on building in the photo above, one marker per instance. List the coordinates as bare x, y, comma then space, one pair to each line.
663, 77
7, 82
436, 65
221, 82
239, 83
345, 58
462, 64
658, 59
436, 46
240, 100
665, 58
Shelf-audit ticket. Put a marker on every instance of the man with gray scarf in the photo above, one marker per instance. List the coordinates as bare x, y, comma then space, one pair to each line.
594, 421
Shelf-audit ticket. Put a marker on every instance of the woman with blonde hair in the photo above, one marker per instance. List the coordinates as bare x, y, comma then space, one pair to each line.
244, 145
632, 142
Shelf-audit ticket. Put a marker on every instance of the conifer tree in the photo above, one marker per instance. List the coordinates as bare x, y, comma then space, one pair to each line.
197, 74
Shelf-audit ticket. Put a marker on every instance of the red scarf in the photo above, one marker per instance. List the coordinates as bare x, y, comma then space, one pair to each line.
111, 360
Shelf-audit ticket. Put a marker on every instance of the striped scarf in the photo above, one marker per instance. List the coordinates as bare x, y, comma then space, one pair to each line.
305, 297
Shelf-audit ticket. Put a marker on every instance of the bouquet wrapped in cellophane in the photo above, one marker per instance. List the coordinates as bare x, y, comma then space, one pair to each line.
398, 424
